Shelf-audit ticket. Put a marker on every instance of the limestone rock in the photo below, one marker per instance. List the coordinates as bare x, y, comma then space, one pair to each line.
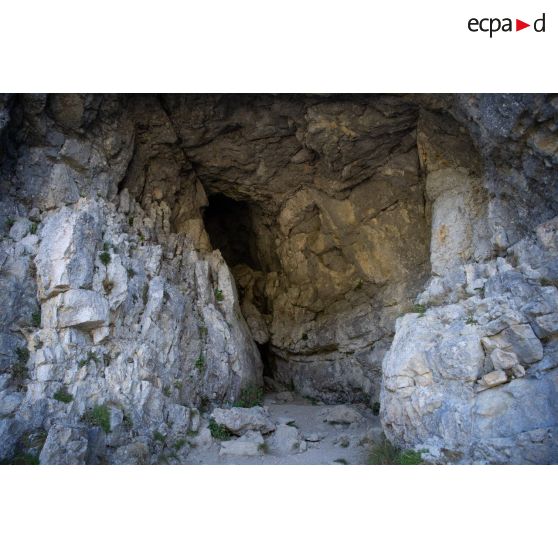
493, 379
66, 255
136, 453
503, 360
250, 444
83, 309
286, 440
399, 247
342, 414
64, 446
520, 339
240, 420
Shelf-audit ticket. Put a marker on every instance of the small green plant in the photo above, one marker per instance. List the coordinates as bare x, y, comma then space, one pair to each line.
127, 422
359, 285
341, 461
219, 297
106, 246
10, 221
384, 454
292, 423
546, 282
263, 447
344, 443
387, 454
105, 257
63, 396
178, 384
471, 320
167, 391
19, 369
98, 416
179, 444
145, 294
33, 228
419, 309
218, 431
33, 442
25, 458
410, 457
200, 362
203, 331
251, 396
36, 318
158, 437
141, 237
91, 357
22, 354
205, 404
376, 408
131, 273
130, 221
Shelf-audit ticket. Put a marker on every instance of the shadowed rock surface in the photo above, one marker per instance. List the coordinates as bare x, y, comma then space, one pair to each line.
162, 255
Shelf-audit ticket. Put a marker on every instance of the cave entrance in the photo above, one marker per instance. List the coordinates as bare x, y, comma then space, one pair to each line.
230, 226
268, 360
228, 223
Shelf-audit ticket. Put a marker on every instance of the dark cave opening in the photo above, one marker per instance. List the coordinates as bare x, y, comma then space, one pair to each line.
268, 360
228, 223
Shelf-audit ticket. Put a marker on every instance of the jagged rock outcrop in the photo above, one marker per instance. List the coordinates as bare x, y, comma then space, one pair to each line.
472, 376
151, 243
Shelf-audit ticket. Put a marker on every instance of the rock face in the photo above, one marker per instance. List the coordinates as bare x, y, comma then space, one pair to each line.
472, 376
160, 254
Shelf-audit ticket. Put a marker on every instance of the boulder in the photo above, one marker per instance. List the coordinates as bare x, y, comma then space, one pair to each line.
240, 420
250, 444
493, 379
286, 440
503, 360
342, 414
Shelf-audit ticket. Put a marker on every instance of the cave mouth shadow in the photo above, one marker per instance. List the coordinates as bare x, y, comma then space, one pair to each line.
228, 223
230, 227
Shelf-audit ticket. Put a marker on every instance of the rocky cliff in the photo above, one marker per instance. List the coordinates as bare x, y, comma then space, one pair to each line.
162, 253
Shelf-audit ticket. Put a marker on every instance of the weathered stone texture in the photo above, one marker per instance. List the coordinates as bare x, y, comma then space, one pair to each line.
392, 248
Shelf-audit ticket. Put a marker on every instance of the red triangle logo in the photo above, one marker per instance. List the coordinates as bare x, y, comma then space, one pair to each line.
519, 25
